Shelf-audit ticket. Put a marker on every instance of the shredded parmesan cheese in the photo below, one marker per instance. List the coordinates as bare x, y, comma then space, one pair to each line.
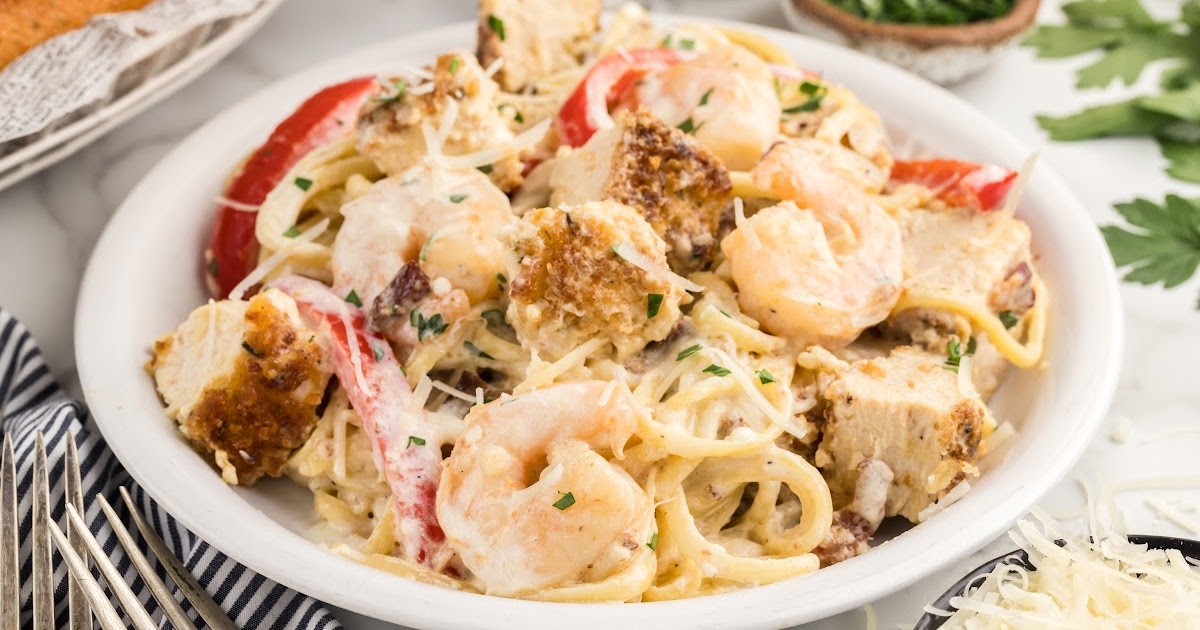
492, 154
494, 67
966, 381
267, 266
1122, 430
957, 492
643, 262
440, 386
237, 205
1018, 188
339, 446
1169, 512
352, 343
739, 220
1096, 580
421, 393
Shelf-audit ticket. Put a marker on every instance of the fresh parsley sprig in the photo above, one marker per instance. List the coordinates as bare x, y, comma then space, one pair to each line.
1163, 246
1129, 39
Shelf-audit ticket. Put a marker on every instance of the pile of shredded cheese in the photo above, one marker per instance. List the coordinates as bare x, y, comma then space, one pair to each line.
1096, 581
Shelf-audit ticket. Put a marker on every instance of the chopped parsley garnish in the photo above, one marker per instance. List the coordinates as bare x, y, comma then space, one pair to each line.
653, 304
303, 183
476, 352
617, 251
427, 327
765, 377
937, 12
398, 90
454, 64
517, 117
954, 353
717, 370
497, 26
653, 544
815, 93
457, 198
688, 125
425, 248
292, 232
687, 352
502, 280
486, 169
352, 297
249, 348
1008, 319
378, 352
212, 266
412, 439
685, 43
565, 502
704, 99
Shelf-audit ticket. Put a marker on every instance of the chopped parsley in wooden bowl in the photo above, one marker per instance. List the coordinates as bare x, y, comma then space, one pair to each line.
944, 41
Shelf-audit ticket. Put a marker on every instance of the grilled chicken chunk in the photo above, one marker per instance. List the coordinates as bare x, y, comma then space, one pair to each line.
535, 38
976, 255
243, 380
905, 410
569, 283
390, 127
678, 185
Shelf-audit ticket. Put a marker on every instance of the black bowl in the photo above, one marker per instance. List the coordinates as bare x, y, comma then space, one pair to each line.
1190, 548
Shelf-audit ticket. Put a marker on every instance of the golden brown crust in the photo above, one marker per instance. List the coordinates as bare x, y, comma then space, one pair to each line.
27, 23
569, 286
266, 408
541, 37
680, 187
390, 128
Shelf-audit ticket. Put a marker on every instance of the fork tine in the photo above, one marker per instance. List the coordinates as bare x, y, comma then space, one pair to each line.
43, 589
81, 615
116, 582
201, 600
170, 605
108, 616
10, 579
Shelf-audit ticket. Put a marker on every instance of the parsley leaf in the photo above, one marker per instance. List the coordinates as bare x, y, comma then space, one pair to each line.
653, 304
687, 352
704, 97
1184, 159
496, 25
955, 353
1008, 318
1164, 247
303, 183
476, 352
716, 370
765, 377
688, 125
1126, 118
292, 232
454, 64
412, 439
653, 544
457, 198
427, 327
566, 501
352, 297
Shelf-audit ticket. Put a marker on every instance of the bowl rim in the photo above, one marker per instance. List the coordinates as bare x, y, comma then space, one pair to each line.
929, 621
100, 329
980, 33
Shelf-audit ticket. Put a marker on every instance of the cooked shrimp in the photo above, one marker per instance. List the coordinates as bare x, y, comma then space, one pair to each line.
505, 499
447, 226
727, 94
821, 267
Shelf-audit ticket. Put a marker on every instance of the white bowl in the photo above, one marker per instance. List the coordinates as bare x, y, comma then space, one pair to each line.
145, 276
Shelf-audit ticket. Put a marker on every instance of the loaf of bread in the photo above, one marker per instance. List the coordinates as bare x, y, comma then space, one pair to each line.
27, 23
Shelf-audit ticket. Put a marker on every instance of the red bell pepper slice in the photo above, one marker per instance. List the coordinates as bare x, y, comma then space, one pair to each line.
608, 82
980, 187
232, 250
406, 445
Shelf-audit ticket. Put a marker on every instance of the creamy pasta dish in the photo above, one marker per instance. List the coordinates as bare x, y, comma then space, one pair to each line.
632, 313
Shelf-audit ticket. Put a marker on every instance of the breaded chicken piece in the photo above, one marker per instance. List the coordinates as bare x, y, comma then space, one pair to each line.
389, 127
535, 38
568, 285
981, 256
905, 410
243, 379
680, 187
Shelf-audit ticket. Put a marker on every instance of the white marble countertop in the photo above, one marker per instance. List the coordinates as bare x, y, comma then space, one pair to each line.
48, 225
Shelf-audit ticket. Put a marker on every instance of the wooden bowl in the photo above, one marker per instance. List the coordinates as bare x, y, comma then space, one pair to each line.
943, 54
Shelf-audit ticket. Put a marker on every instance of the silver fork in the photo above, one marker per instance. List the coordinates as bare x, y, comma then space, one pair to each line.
86, 596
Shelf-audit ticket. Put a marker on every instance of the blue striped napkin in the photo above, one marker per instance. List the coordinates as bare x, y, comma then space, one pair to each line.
31, 401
